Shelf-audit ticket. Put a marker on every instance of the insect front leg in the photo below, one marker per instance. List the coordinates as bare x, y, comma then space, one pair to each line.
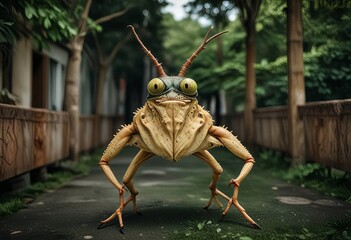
217, 171
116, 145
139, 159
233, 144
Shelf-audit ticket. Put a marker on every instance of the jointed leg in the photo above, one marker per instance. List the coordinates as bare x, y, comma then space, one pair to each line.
234, 145
115, 146
139, 159
217, 171
134, 165
234, 201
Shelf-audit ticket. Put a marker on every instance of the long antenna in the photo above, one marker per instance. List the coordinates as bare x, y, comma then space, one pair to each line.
194, 55
157, 65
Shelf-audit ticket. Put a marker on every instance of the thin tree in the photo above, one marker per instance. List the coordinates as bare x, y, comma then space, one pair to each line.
75, 47
104, 63
296, 82
249, 10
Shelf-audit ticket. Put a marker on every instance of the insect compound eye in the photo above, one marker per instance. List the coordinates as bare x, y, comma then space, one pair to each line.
155, 86
188, 86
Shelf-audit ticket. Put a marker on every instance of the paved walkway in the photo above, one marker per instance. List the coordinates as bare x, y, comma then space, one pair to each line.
171, 199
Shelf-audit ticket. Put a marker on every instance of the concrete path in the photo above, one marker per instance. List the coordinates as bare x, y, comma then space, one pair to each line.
171, 196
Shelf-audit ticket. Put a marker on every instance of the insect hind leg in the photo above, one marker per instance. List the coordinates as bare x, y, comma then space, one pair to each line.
138, 160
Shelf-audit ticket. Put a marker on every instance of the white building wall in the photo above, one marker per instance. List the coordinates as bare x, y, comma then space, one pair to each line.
22, 72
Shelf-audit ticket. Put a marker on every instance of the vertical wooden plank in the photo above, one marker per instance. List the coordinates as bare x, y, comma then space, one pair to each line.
296, 94
327, 131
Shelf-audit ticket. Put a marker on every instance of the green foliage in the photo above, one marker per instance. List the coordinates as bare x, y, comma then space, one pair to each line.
182, 38
217, 11
9, 206
331, 182
207, 230
327, 49
44, 20
10, 29
312, 175
274, 160
340, 229
50, 20
328, 72
8, 98
272, 82
271, 31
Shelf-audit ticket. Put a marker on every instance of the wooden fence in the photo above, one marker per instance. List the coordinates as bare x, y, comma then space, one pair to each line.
327, 131
97, 131
271, 128
235, 123
31, 138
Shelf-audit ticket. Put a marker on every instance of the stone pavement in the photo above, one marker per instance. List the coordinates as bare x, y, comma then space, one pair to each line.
171, 196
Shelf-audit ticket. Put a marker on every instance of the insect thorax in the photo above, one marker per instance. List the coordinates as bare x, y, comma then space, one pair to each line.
173, 130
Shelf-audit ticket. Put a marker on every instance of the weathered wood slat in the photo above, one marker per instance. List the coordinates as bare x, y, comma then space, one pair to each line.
97, 131
271, 128
31, 138
328, 133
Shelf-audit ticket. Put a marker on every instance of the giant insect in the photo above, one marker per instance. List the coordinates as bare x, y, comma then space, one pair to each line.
172, 125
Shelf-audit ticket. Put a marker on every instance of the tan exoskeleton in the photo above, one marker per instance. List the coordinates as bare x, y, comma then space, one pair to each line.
172, 125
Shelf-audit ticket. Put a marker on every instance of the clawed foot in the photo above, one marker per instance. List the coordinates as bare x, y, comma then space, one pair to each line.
132, 198
234, 202
215, 198
118, 212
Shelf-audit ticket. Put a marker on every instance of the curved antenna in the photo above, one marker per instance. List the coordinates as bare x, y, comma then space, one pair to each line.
194, 55
157, 65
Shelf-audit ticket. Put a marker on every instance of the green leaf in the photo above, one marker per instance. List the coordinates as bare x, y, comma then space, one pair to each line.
28, 12
41, 12
200, 225
245, 238
72, 31
47, 23
61, 24
301, 236
99, 28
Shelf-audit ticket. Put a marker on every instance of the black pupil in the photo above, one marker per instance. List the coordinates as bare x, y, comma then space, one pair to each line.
186, 86
155, 86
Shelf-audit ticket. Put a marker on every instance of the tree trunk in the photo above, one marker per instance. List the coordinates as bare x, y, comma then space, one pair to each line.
100, 89
296, 82
250, 96
73, 81
72, 93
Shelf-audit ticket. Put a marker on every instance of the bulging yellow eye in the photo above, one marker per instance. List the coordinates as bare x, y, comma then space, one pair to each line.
188, 86
155, 86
